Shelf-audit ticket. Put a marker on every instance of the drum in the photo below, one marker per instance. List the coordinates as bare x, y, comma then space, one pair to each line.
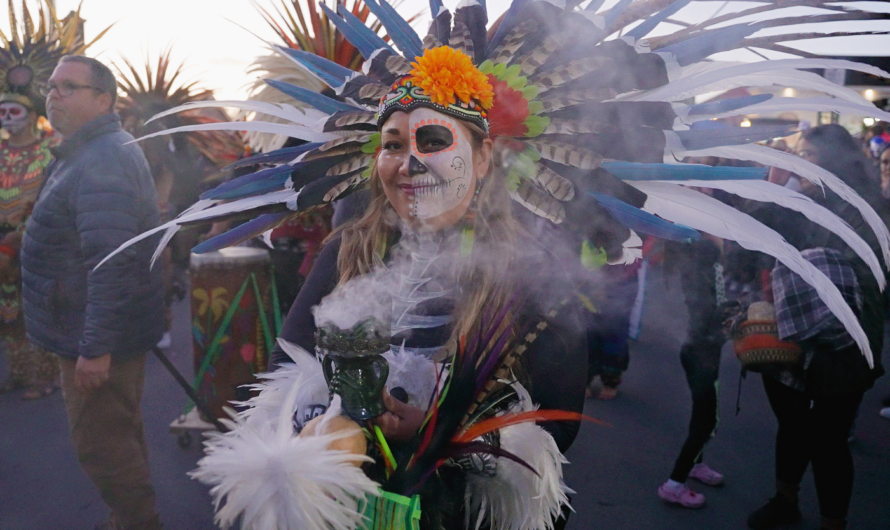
232, 327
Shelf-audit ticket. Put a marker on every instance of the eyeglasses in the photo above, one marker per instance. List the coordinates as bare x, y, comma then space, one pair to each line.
64, 89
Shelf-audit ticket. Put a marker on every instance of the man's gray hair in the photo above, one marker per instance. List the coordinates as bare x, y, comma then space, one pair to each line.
102, 78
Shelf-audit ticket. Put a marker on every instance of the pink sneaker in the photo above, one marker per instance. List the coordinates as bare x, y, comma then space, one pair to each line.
681, 495
706, 475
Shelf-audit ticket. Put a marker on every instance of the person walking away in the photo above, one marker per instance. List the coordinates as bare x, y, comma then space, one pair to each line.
100, 322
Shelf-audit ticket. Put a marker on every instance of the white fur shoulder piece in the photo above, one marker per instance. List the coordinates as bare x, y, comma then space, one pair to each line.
515, 498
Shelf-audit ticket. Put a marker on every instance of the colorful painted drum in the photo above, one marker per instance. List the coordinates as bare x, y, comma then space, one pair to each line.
232, 328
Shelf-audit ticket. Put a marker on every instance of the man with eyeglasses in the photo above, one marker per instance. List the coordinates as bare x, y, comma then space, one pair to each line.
98, 194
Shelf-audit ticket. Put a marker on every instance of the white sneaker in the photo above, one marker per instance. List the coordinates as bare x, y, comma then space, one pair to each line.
165, 341
885, 413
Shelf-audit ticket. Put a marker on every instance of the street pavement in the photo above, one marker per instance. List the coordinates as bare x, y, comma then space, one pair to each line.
614, 469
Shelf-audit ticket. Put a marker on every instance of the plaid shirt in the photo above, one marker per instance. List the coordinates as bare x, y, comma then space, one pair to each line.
800, 313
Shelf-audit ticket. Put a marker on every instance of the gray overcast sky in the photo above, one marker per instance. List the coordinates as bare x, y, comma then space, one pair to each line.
217, 51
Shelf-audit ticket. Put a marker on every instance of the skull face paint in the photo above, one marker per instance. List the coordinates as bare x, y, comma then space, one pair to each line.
13, 117
440, 145
426, 167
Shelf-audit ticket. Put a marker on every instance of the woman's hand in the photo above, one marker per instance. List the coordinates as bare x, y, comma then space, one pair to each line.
401, 421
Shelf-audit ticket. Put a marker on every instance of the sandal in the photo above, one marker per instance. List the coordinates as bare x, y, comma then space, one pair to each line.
38, 392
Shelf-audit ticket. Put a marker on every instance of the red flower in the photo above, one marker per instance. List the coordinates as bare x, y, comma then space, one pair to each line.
510, 109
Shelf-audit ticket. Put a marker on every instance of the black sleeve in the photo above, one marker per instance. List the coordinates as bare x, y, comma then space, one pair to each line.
556, 365
299, 325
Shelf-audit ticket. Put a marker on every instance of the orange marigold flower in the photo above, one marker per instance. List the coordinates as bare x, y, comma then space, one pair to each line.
448, 75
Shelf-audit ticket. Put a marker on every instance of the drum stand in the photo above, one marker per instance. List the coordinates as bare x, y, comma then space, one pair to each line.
191, 421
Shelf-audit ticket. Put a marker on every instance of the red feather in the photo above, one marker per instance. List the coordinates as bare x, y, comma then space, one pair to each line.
499, 422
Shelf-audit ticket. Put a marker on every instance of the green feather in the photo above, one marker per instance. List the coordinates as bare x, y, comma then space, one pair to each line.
592, 258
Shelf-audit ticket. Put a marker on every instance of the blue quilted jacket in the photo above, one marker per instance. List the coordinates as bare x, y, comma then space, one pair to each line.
99, 193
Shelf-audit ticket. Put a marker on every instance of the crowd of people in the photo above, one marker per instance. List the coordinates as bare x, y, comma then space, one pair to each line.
430, 367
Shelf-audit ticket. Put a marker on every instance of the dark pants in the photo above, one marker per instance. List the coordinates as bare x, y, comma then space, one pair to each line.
701, 362
815, 430
700, 354
109, 439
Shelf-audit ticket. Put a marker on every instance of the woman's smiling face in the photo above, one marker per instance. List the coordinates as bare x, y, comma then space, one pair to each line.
428, 167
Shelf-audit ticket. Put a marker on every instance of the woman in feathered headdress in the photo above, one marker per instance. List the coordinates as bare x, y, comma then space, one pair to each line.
26, 61
581, 130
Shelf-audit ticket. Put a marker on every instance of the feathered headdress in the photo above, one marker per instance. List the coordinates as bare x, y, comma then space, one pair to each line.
157, 91
306, 28
32, 51
587, 127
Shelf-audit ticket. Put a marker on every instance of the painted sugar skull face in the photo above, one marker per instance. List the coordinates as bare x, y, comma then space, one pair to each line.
427, 167
14, 117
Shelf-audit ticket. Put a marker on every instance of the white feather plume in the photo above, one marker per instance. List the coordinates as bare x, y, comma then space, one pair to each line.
696, 210
287, 112
216, 210
703, 77
815, 174
305, 372
297, 131
264, 474
763, 191
515, 498
822, 104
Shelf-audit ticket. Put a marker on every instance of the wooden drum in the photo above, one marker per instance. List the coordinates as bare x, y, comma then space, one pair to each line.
232, 328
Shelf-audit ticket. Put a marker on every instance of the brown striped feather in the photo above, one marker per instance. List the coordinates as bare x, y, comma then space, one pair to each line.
559, 187
337, 190
566, 154
350, 165
538, 201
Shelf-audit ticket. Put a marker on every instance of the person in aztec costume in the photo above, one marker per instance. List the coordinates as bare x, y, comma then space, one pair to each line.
578, 127
27, 59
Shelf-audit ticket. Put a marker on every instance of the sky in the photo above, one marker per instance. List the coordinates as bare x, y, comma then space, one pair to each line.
217, 40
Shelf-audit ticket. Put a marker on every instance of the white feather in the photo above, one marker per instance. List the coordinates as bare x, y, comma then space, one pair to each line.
297, 131
778, 105
631, 250
304, 116
515, 498
815, 174
248, 203
696, 210
263, 473
278, 67
702, 77
763, 191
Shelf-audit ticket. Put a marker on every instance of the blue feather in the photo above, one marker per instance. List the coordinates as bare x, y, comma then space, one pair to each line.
509, 21
435, 7
644, 222
646, 26
696, 139
355, 38
359, 27
635, 171
612, 15
726, 105
330, 72
278, 156
262, 181
407, 40
695, 49
319, 101
243, 232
